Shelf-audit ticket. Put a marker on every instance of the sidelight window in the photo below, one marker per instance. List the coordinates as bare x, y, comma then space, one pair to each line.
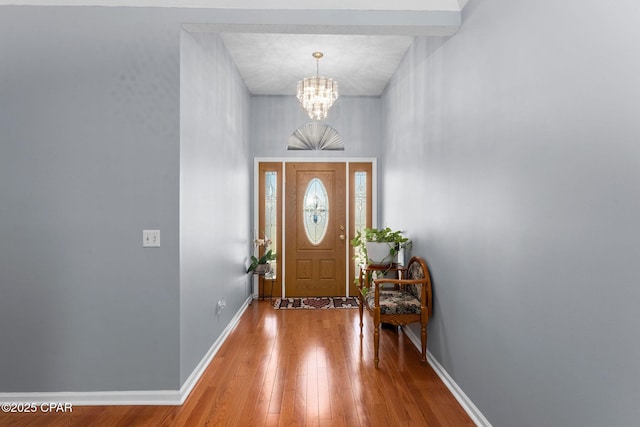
360, 198
271, 214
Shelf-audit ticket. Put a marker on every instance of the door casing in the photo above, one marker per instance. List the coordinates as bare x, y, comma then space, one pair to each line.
282, 255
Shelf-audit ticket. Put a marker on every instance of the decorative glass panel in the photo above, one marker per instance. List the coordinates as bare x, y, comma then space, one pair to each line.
270, 215
316, 211
360, 201
360, 208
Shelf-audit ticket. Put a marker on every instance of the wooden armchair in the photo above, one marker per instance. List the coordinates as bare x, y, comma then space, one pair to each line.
408, 301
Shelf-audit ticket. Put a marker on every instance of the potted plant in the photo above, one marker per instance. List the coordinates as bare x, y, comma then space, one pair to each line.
377, 246
261, 265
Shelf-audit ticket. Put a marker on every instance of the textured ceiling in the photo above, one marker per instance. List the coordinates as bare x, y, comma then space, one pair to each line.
272, 64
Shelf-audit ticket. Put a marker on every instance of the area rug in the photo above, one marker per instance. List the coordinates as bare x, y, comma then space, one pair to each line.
316, 302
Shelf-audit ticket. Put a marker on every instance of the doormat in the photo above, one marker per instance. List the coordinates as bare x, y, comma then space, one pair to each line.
316, 302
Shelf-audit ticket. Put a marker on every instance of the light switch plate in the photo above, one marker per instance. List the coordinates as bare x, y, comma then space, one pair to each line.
150, 238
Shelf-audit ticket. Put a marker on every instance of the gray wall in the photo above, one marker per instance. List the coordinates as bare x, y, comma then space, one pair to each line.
214, 194
355, 118
89, 157
517, 142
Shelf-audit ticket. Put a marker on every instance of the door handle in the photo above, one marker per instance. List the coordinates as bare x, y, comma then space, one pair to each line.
342, 237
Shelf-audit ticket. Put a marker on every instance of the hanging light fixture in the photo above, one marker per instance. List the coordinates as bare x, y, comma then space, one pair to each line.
317, 94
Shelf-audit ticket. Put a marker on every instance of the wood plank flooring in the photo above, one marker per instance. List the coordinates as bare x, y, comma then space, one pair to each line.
293, 368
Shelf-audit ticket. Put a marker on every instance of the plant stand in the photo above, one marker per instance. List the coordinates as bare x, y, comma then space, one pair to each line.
264, 278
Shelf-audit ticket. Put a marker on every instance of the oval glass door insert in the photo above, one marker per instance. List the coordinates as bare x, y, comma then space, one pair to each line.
316, 211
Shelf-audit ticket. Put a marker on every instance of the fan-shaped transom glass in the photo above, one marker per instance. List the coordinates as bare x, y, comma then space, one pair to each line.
316, 211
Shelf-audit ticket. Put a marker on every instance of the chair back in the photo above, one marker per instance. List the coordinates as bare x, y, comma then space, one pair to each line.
416, 270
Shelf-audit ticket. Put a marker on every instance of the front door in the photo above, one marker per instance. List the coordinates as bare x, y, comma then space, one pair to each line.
315, 221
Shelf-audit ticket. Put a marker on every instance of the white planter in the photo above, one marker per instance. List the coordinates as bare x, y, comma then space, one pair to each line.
379, 253
404, 253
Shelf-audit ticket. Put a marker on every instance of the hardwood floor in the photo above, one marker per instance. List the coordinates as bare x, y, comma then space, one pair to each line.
294, 368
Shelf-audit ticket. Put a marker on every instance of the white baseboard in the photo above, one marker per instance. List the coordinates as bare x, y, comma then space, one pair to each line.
188, 385
97, 398
466, 403
152, 397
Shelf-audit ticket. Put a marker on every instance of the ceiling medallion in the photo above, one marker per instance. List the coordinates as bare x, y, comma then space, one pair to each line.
318, 93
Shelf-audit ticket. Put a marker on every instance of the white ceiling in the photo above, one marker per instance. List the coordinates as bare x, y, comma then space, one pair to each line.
259, 4
272, 57
272, 64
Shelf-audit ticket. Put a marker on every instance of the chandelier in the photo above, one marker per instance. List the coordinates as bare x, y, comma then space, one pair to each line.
318, 93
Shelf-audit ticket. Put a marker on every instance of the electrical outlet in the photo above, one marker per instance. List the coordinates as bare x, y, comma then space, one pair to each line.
150, 238
221, 305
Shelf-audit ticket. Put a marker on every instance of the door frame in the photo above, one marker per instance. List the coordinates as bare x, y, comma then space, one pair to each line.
284, 161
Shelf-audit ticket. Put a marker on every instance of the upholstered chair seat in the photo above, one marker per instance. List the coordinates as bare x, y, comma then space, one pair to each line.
395, 302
